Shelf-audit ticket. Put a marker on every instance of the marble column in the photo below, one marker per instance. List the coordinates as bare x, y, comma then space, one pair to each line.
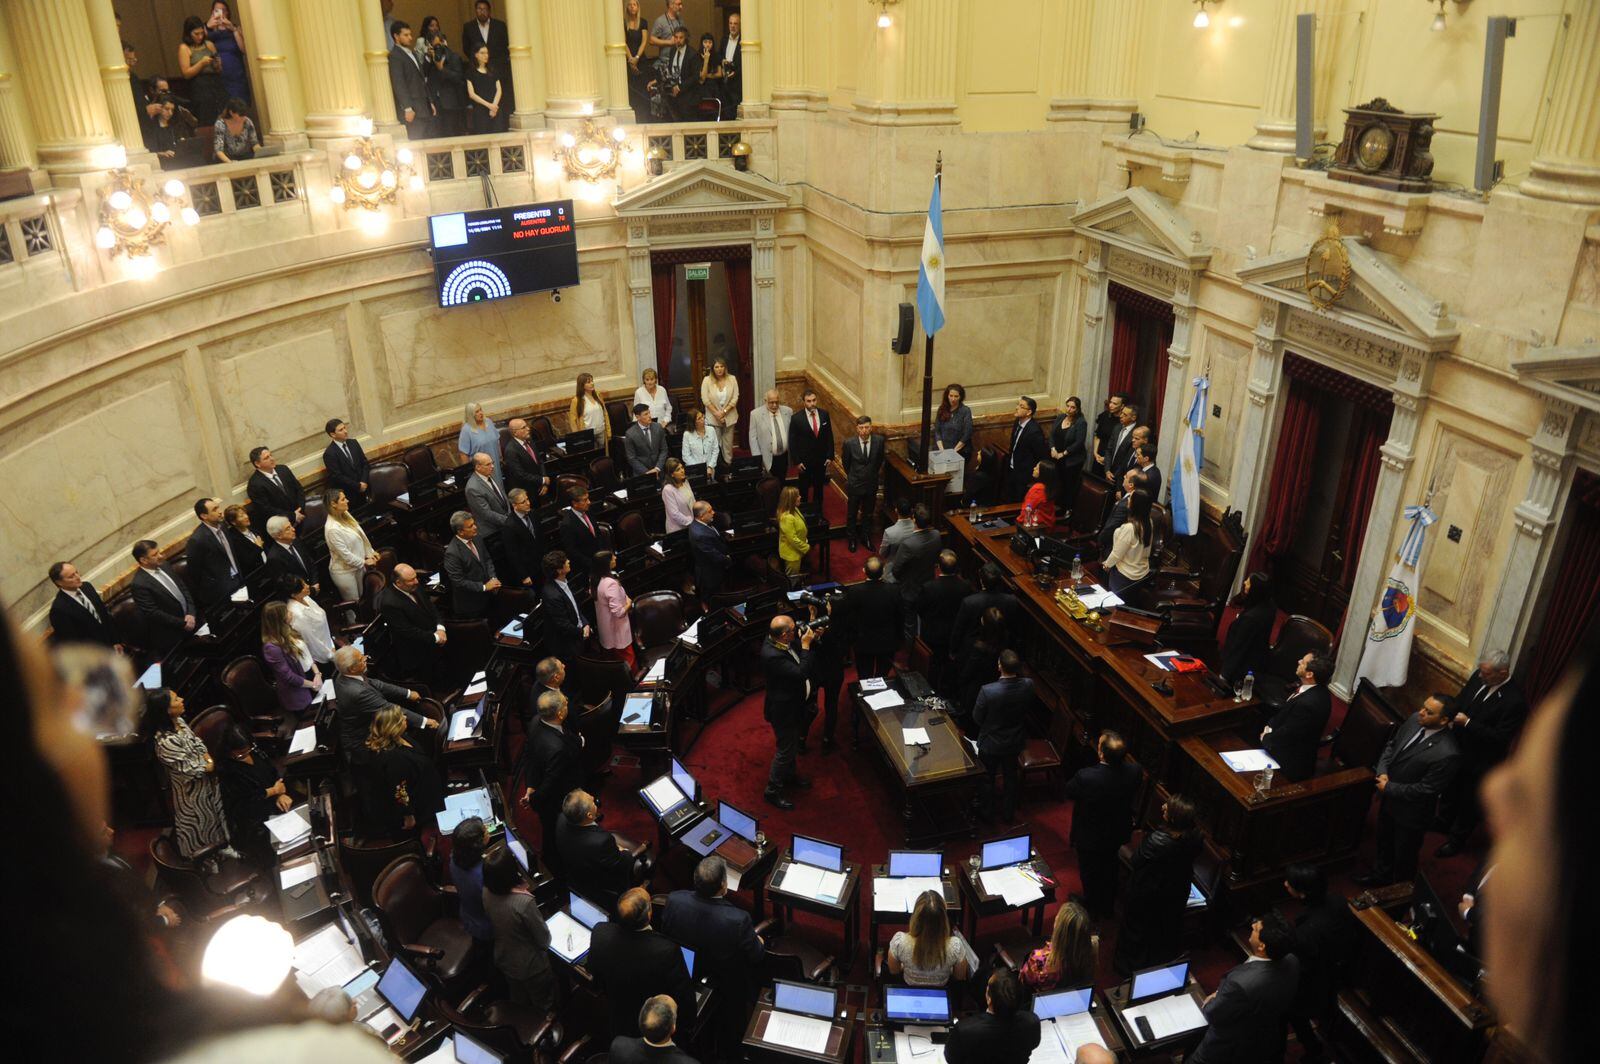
1093, 370
753, 57
115, 82
1070, 101
1175, 402
573, 44
16, 131
1533, 524
1258, 425
1115, 28
375, 52
282, 119
915, 68
527, 63
52, 44
787, 30
617, 64
331, 71
763, 302
1566, 158
1275, 126
641, 297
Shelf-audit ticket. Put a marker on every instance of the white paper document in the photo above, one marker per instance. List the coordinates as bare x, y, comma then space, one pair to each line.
1100, 598
1160, 659
290, 826
659, 549
320, 947
918, 1045
463, 722
405, 497
663, 794
241, 595
477, 686
325, 692
1074, 1031
916, 736
691, 634
1249, 760
304, 741
203, 631
874, 683
805, 1033
292, 875
812, 882
513, 628
569, 939
658, 671
1168, 1016
1012, 884
885, 700
433, 581
891, 895
621, 493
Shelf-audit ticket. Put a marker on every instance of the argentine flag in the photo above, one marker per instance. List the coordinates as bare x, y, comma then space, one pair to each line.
930, 275
1386, 655
1191, 449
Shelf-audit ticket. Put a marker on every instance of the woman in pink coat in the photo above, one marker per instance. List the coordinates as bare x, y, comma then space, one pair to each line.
611, 606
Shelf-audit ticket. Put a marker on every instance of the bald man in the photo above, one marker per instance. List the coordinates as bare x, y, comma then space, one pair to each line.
632, 962
790, 702
416, 638
520, 463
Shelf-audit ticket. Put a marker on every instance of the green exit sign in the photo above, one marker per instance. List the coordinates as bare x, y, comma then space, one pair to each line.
697, 271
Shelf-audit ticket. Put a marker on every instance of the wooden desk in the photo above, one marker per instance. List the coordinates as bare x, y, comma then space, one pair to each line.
901, 480
933, 781
838, 1050
1164, 1049
894, 918
846, 911
980, 903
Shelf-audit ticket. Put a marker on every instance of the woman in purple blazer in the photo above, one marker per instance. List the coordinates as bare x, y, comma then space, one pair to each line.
288, 659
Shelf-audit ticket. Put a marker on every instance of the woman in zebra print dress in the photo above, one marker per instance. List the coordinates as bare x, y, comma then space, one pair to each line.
197, 820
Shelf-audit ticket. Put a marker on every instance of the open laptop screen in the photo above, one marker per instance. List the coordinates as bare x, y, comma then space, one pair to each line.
802, 998
816, 852
585, 911
402, 989
1003, 852
470, 1052
681, 777
519, 851
1068, 1002
908, 1004
1154, 982
915, 863
741, 824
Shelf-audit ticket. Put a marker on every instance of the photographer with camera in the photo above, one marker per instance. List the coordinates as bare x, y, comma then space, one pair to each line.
790, 700
827, 663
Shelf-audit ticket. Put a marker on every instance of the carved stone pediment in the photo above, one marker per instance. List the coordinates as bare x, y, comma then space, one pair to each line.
702, 187
1570, 374
1146, 224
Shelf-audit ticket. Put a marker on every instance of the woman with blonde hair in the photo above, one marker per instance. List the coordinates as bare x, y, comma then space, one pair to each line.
1069, 958
401, 791
588, 410
478, 433
719, 393
288, 659
350, 552
793, 546
928, 952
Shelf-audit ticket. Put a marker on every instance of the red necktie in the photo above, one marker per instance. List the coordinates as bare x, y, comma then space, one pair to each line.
588, 523
813, 423
525, 447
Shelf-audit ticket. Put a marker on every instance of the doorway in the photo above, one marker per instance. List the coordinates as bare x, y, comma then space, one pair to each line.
1324, 472
1141, 332
702, 313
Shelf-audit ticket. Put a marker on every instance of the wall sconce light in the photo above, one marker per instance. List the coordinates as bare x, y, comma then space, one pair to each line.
657, 158
1201, 19
741, 156
133, 220
592, 154
367, 178
1438, 19
885, 20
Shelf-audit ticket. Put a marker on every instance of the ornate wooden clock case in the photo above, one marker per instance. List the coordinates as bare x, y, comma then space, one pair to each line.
1385, 147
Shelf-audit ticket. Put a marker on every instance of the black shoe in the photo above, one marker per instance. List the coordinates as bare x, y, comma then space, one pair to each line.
1372, 879
776, 798
800, 783
1449, 849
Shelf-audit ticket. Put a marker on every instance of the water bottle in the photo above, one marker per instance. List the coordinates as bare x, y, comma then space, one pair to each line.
1077, 569
1247, 689
972, 512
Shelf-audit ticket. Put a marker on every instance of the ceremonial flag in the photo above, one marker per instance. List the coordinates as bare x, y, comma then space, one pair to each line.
1191, 450
930, 275
1386, 655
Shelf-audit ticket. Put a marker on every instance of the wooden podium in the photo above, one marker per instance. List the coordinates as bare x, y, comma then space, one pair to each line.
902, 481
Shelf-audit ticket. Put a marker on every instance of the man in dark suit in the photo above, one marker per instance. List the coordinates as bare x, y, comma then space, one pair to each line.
1415, 769
631, 963
937, 606
790, 702
170, 613
1028, 446
658, 1022
347, 465
77, 615
273, 490
911, 568
491, 31
862, 461
284, 556
1102, 819
550, 769
520, 463
592, 863
581, 538
1245, 1014
726, 946
468, 568
1003, 1031
213, 570
992, 592
519, 542
1293, 734
359, 697
645, 443
1001, 714
1489, 713
1119, 512
1320, 939
1123, 460
566, 625
708, 552
1144, 466
408, 78
1118, 452
875, 614
729, 58
1106, 426
416, 638
810, 446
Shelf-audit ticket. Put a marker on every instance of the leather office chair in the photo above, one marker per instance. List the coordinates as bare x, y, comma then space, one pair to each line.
444, 456
316, 516
543, 430
601, 686
511, 1029
252, 694
420, 923
602, 474
794, 955
767, 492
467, 646
179, 568
658, 619
234, 885
566, 484
127, 623
629, 531
1299, 636
1368, 725
419, 463
1090, 506
386, 482
619, 414
363, 859
1039, 757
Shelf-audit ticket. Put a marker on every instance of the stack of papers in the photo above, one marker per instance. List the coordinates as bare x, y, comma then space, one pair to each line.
1100, 599
241, 595
916, 736
304, 741
462, 804
292, 875
1160, 659
874, 683
900, 895
659, 549
885, 700
463, 722
918, 1045
326, 958
621, 493
1168, 1016
657, 673
433, 581
569, 939
1060, 1038
1249, 760
203, 631
691, 634
809, 881
290, 828
1013, 884
663, 793
805, 1033
478, 685
325, 693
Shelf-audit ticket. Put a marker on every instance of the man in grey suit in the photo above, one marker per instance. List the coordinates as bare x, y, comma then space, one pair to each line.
913, 563
1245, 1016
862, 462
468, 568
645, 443
489, 504
168, 610
769, 435
359, 697
412, 100
1415, 769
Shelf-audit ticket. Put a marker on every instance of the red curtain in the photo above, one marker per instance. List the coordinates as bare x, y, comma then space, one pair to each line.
738, 271
1574, 591
664, 290
1291, 475
1158, 401
1369, 432
1124, 349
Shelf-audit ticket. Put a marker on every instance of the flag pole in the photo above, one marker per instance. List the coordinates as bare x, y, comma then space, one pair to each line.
927, 365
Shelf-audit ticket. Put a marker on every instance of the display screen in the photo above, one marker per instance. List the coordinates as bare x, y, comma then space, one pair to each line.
818, 853
685, 782
1006, 851
1063, 1003
585, 911
1154, 982
798, 997
915, 863
503, 251
401, 988
912, 1005
741, 824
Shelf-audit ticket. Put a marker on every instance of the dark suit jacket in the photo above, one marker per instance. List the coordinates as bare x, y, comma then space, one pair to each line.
875, 614
521, 470
163, 615
1106, 425
1419, 775
409, 81
1102, 810
1072, 442
71, 623
1249, 639
563, 627
630, 966
862, 473
938, 604
269, 500
984, 1038
595, 866
972, 611
468, 573
551, 765
499, 41
1026, 450
732, 86
1297, 729
522, 549
282, 561
1114, 521
249, 556
411, 624
710, 556
1493, 723
914, 561
580, 543
1002, 716
645, 450
1322, 943
347, 474
787, 680
721, 934
359, 700
209, 568
1121, 457
1246, 1016
804, 448
625, 1050
1151, 474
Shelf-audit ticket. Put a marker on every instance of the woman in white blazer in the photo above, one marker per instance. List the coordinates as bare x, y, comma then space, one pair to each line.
719, 392
350, 552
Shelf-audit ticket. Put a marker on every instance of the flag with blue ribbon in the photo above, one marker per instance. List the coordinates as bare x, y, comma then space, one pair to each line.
1189, 458
1386, 655
930, 274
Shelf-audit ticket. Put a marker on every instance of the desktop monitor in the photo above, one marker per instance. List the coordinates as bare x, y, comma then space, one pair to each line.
910, 1004
1068, 1001
685, 782
1159, 981
804, 998
469, 1051
401, 988
740, 823
1003, 852
915, 863
585, 911
816, 852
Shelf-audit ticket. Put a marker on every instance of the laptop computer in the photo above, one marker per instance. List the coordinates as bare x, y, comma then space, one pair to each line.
389, 1002
802, 1016
518, 850
817, 853
469, 1050
915, 1004
1157, 982
571, 928
671, 797
1067, 1016
1003, 853
737, 821
915, 863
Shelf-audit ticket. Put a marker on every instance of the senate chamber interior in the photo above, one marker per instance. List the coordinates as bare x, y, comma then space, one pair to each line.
799, 530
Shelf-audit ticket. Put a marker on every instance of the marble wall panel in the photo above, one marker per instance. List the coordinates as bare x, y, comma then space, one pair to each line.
836, 321
1472, 483
995, 341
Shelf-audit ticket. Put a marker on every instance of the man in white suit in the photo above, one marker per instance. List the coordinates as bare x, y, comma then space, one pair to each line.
769, 435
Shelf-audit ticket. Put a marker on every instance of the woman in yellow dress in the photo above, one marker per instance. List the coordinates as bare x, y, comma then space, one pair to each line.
792, 543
